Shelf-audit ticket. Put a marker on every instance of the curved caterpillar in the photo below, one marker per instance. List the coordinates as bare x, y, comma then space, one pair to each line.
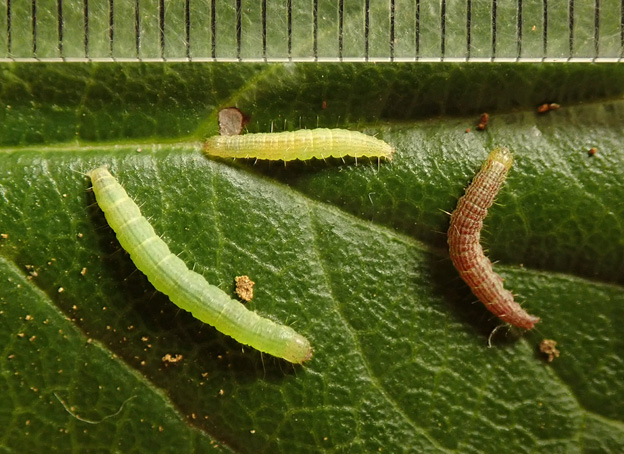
188, 289
466, 252
303, 144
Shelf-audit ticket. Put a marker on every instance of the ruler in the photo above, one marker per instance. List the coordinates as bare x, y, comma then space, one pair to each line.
312, 30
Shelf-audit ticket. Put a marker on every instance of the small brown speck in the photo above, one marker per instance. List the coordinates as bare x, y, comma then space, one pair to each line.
543, 108
592, 151
168, 358
483, 121
244, 287
4, 236
548, 347
83, 271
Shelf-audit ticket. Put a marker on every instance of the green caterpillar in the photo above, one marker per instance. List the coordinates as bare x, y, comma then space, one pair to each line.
188, 289
303, 144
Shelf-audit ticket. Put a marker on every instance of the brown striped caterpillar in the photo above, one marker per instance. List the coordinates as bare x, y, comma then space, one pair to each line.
188, 289
303, 144
466, 252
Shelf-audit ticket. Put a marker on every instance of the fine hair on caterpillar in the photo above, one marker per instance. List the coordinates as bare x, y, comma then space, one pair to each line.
465, 250
303, 144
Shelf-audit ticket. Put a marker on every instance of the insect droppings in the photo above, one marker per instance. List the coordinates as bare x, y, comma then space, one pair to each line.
548, 347
244, 288
483, 121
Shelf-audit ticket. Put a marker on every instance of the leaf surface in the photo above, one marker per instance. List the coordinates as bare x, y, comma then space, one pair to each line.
351, 254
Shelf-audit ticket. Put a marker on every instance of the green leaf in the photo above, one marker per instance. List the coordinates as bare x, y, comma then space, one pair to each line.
352, 254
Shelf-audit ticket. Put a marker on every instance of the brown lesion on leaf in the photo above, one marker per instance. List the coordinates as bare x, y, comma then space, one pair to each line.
244, 288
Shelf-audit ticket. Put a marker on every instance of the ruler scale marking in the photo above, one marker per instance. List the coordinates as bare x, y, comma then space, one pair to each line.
571, 21
545, 25
340, 28
519, 33
313, 30
9, 36
289, 5
392, 37
418, 28
468, 27
187, 22
366, 29
34, 27
85, 11
443, 29
111, 26
597, 28
264, 30
494, 19
213, 29
239, 28
59, 12
161, 27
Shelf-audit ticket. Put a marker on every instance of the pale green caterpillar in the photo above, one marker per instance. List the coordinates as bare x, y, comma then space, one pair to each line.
188, 289
303, 144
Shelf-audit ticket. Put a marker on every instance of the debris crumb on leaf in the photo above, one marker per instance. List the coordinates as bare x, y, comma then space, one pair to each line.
592, 151
546, 107
244, 287
168, 358
483, 121
231, 121
548, 347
